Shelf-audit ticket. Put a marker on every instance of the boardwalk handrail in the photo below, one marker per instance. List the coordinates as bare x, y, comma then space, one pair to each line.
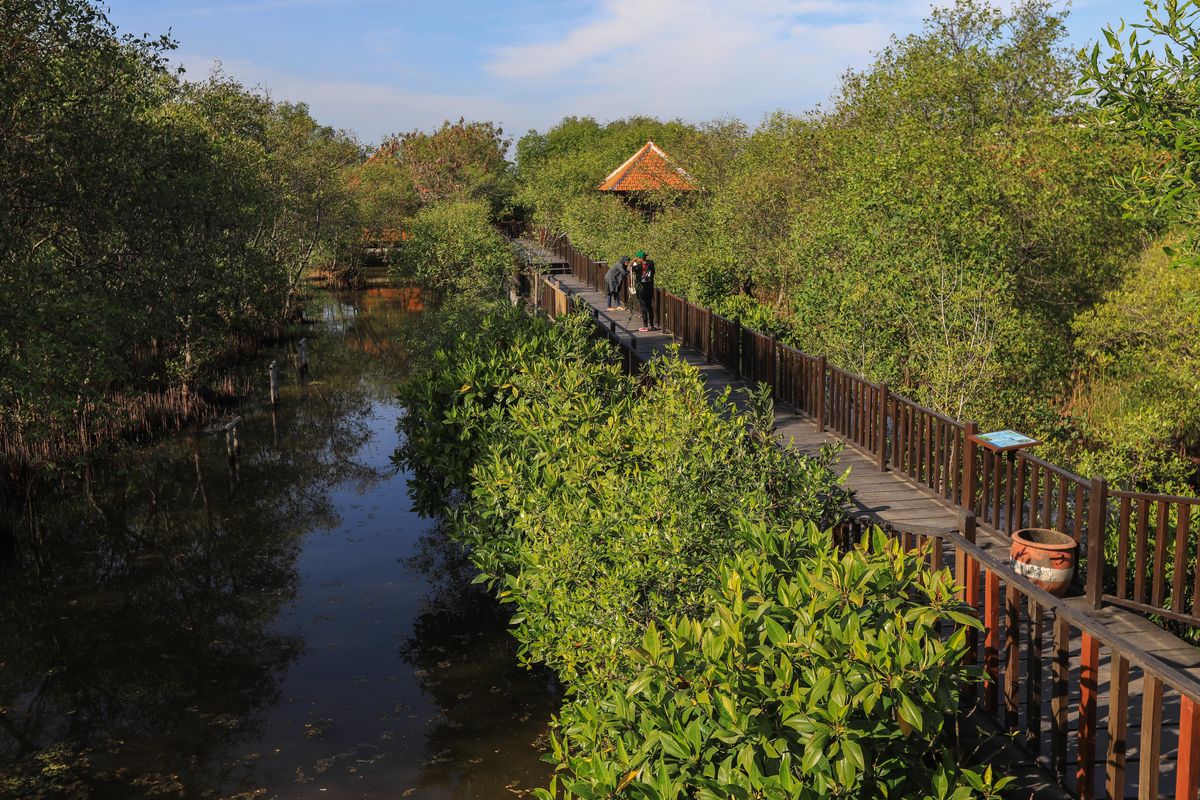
1037, 632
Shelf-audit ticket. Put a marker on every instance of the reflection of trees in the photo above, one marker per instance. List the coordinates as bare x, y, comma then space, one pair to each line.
134, 650
466, 662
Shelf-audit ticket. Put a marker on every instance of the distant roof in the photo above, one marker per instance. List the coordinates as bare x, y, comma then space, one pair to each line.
646, 170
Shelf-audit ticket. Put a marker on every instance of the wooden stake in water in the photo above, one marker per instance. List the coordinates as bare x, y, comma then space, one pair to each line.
233, 442
274, 383
303, 356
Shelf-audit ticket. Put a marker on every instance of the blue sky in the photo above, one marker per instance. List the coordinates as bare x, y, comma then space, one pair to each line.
381, 66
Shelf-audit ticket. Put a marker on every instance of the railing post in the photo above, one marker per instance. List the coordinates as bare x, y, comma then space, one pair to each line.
1187, 774
821, 393
737, 350
774, 358
708, 335
969, 449
881, 435
1097, 519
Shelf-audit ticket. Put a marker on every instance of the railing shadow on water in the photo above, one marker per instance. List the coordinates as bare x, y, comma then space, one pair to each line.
1138, 554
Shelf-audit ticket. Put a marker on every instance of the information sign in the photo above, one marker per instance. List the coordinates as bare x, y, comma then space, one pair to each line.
1002, 441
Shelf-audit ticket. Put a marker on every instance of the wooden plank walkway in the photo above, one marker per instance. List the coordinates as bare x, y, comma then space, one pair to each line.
892, 499
532, 254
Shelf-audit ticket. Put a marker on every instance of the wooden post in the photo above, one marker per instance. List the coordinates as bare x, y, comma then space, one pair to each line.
1118, 724
1089, 683
1033, 671
274, 383
991, 641
1059, 685
774, 372
302, 354
708, 335
1151, 746
881, 435
969, 449
1187, 771
1012, 654
233, 443
821, 385
968, 580
737, 350
1097, 522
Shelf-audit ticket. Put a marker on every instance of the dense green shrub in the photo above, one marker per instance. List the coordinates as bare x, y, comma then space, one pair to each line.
453, 249
816, 674
457, 405
665, 555
148, 223
598, 517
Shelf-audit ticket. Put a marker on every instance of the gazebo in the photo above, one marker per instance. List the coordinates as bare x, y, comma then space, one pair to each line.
648, 170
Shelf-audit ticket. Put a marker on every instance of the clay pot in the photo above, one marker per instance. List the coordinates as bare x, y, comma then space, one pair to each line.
1044, 557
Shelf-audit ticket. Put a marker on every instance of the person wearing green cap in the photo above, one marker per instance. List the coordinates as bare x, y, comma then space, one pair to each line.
643, 282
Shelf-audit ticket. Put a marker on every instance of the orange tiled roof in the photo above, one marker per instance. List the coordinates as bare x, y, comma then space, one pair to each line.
646, 170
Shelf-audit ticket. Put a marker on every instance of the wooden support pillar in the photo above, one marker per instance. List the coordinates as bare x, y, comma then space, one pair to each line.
1089, 683
1187, 771
968, 580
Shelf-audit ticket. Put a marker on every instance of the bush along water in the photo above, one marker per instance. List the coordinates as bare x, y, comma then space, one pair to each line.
673, 565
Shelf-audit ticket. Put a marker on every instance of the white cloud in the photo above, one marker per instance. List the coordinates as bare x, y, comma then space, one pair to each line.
695, 59
704, 58
370, 110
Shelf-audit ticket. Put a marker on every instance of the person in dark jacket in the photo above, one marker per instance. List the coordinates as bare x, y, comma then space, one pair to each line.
613, 280
643, 284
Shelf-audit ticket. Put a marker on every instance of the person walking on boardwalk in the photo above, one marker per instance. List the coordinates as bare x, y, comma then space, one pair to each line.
613, 280
643, 282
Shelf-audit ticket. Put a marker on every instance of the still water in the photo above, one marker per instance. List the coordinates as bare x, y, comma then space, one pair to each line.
174, 627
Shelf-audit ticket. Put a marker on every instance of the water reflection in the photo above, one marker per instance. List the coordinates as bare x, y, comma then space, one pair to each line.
503, 705
168, 629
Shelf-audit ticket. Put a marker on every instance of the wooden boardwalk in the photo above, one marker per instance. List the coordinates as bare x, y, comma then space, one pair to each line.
532, 254
892, 499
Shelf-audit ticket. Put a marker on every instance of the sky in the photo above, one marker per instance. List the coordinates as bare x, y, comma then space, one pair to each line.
377, 67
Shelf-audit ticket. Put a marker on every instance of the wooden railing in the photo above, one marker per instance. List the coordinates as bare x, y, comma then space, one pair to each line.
1045, 659
1029, 636
1138, 551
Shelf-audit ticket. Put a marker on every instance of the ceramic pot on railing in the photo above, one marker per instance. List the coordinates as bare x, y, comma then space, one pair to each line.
1045, 557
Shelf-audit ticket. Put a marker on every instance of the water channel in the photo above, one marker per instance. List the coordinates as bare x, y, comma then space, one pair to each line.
172, 627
